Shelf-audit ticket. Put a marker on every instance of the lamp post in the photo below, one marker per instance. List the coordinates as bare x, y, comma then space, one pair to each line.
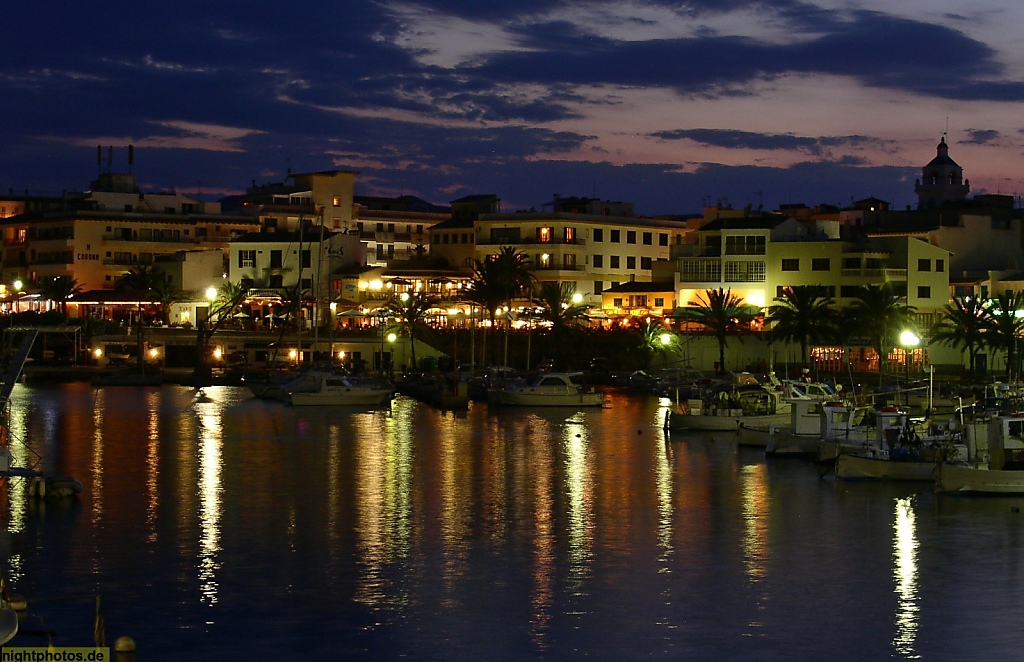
330, 329
17, 295
909, 340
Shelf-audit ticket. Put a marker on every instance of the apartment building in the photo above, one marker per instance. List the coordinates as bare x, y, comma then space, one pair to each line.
758, 256
592, 251
99, 235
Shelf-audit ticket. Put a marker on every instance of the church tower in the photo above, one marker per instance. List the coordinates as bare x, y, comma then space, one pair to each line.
942, 181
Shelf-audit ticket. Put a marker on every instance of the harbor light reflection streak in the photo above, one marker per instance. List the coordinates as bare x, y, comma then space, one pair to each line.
905, 546
210, 488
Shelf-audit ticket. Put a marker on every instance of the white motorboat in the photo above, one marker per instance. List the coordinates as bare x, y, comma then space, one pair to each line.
551, 389
326, 388
750, 404
995, 462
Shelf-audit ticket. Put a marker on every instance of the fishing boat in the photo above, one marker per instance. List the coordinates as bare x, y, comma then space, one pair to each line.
327, 388
748, 403
995, 463
550, 389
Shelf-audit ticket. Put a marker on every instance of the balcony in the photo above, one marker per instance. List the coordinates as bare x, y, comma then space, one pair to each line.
700, 270
884, 275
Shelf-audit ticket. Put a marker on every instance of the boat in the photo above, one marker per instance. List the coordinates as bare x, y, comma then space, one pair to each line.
317, 387
995, 463
550, 389
747, 403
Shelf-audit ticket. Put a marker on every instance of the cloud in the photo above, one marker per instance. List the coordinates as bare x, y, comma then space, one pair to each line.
981, 136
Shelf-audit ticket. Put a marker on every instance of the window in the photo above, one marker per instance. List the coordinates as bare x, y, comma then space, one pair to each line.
648, 238
745, 244
307, 259
599, 261
645, 263
336, 222
851, 263
569, 261
598, 234
598, 286
380, 227
659, 302
544, 235
247, 259
336, 201
391, 227
631, 262
663, 239
940, 266
275, 259
615, 236
791, 264
614, 262
505, 235
617, 302
924, 265
924, 292
820, 264
544, 261
570, 235
630, 236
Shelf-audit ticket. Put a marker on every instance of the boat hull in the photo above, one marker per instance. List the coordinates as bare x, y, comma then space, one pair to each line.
353, 397
862, 467
962, 479
524, 399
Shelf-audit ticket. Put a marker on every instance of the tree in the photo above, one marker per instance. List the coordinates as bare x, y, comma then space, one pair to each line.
497, 279
802, 316
557, 306
1004, 328
880, 317
963, 323
59, 289
722, 314
410, 315
229, 298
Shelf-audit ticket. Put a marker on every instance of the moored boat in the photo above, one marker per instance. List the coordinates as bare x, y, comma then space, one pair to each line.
995, 462
551, 389
326, 388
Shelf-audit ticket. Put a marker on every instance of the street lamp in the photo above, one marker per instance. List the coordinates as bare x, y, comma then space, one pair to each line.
17, 295
909, 340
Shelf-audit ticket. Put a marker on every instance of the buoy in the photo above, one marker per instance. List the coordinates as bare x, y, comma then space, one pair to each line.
124, 645
18, 602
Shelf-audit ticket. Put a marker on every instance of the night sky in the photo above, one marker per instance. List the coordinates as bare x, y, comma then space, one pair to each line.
669, 105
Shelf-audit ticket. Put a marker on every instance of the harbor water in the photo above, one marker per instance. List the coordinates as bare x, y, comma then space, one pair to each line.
218, 526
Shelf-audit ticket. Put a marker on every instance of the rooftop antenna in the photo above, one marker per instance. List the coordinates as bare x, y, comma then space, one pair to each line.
99, 160
131, 157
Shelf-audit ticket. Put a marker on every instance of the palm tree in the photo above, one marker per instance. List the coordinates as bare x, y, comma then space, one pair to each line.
557, 306
1004, 328
722, 314
496, 280
229, 298
880, 317
803, 316
962, 323
59, 289
410, 315
514, 279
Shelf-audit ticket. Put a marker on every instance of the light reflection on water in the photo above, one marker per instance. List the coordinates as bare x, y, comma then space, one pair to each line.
905, 558
222, 524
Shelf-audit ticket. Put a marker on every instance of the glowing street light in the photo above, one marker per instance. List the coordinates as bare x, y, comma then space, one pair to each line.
909, 340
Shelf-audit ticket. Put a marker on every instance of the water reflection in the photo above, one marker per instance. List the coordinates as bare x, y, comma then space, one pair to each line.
579, 485
754, 484
210, 490
383, 475
905, 558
